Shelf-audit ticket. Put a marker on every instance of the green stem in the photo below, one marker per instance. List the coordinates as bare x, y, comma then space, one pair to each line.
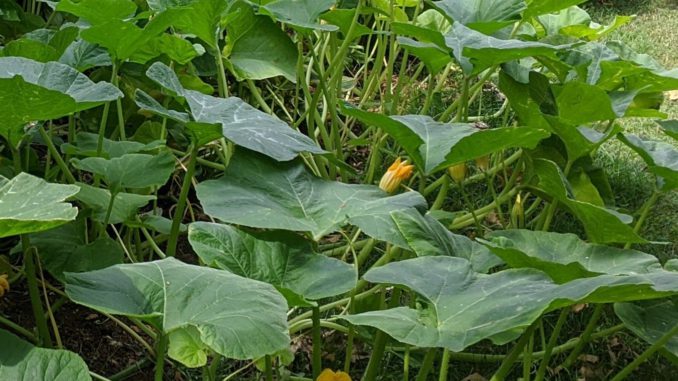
109, 210
426, 365
36, 301
374, 365
551, 211
57, 157
541, 372
19, 329
442, 194
269, 368
317, 344
104, 115
181, 204
659, 344
444, 365
161, 348
644, 213
221, 72
585, 336
512, 357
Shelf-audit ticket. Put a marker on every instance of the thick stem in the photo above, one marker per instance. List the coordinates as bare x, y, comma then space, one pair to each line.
426, 365
541, 372
161, 348
104, 115
644, 213
34, 293
374, 365
55, 154
444, 365
181, 204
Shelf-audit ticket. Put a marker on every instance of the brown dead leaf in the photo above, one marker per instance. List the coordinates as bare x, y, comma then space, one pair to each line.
589, 358
577, 308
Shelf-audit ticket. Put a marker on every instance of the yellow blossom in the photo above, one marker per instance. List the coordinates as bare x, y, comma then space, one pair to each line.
4, 284
396, 173
457, 172
483, 163
329, 375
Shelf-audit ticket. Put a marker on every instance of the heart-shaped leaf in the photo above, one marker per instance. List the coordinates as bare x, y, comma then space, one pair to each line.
463, 307
483, 15
236, 317
301, 14
20, 360
65, 249
428, 237
282, 259
661, 158
31, 91
132, 170
565, 257
30, 204
258, 192
125, 205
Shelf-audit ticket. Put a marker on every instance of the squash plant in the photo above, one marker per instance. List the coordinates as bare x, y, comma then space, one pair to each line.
257, 131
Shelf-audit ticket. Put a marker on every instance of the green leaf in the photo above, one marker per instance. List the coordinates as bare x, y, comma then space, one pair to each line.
82, 55
540, 7
98, 11
204, 18
343, 18
433, 146
553, 23
65, 249
30, 204
239, 121
186, 347
20, 360
258, 49
476, 51
486, 16
661, 158
282, 259
85, 144
125, 205
650, 321
434, 57
579, 103
670, 127
565, 257
301, 14
132, 170
428, 237
31, 91
262, 193
602, 225
238, 318
461, 307
35, 50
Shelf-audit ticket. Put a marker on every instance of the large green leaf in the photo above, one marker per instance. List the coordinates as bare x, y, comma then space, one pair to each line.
132, 170
476, 51
486, 16
204, 18
20, 360
65, 249
602, 225
98, 11
433, 146
553, 23
428, 237
258, 49
82, 55
565, 257
650, 321
30, 204
302, 14
462, 307
124, 207
661, 158
282, 259
670, 127
258, 192
241, 123
237, 317
540, 7
31, 91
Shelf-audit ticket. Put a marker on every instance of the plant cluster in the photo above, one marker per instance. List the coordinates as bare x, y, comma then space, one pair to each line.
385, 170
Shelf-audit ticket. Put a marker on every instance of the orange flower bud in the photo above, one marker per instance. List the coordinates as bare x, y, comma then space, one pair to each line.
4, 284
396, 173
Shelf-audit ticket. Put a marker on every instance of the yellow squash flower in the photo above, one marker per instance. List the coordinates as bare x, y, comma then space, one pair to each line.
396, 173
330, 375
4, 284
483, 163
518, 214
457, 172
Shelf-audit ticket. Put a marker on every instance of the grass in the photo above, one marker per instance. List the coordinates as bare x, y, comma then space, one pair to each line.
653, 32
